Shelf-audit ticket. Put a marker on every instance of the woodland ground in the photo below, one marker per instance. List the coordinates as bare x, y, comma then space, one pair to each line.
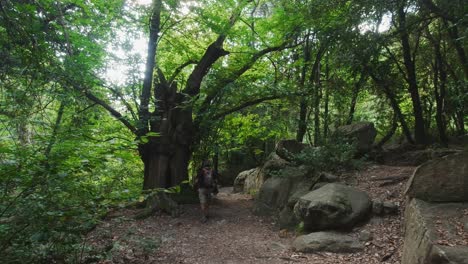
234, 235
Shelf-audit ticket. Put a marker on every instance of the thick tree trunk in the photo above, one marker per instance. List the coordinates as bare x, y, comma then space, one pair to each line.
419, 130
303, 108
216, 159
390, 133
317, 95
451, 24
459, 120
53, 138
454, 36
394, 104
327, 101
401, 117
302, 126
325, 113
357, 88
145, 96
439, 92
23, 132
166, 155
164, 170
153, 150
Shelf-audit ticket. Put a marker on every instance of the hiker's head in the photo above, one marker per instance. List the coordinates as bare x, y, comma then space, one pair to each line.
206, 164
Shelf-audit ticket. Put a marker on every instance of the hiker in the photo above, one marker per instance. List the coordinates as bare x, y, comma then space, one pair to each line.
207, 179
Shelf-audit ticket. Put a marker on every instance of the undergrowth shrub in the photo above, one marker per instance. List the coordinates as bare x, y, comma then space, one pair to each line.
336, 154
48, 205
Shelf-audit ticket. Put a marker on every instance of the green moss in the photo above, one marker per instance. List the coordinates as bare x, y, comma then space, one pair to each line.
300, 228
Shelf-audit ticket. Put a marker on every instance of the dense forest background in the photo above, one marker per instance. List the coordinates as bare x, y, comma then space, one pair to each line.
221, 79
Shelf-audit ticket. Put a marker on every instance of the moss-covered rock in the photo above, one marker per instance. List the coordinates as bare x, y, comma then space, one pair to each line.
441, 180
333, 206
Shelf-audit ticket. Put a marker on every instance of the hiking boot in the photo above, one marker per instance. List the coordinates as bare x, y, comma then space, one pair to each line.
204, 219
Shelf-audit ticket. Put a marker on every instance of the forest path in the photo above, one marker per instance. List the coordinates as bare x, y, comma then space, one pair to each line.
234, 235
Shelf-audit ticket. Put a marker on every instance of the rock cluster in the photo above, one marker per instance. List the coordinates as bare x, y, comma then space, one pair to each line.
437, 195
300, 195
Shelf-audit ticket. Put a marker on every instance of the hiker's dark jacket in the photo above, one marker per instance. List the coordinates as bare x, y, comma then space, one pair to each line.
201, 179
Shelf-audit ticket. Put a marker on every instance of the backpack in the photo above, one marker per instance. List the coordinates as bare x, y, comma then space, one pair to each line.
207, 174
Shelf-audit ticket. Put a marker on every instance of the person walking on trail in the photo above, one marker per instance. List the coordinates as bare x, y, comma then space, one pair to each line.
207, 179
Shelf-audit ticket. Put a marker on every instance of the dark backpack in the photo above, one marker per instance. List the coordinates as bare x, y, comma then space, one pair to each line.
207, 174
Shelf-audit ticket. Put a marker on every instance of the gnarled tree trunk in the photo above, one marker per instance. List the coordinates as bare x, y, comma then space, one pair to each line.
169, 130
166, 155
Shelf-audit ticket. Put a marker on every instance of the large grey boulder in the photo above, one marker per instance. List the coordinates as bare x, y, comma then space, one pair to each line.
274, 163
286, 149
414, 156
251, 180
431, 233
333, 206
248, 181
159, 201
363, 133
239, 181
286, 218
327, 241
274, 194
380, 208
441, 180
238, 161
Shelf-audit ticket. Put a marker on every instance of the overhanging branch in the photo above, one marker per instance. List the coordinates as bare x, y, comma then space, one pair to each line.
233, 77
438, 11
214, 51
179, 69
111, 110
212, 54
245, 105
127, 105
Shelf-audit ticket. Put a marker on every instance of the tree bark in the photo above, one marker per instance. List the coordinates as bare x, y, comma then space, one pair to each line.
143, 113
303, 107
151, 152
439, 92
440, 79
53, 137
451, 24
357, 88
419, 130
327, 100
390, 133
166, 154
394, 104
454, 36
460, 121
316, 82
302, 126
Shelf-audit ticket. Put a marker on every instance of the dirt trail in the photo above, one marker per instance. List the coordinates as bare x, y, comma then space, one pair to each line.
234, 235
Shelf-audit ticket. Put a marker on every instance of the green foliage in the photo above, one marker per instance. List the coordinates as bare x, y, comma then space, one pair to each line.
248, 133
300, 228
335, 155
44, 212
245, 129
64, 162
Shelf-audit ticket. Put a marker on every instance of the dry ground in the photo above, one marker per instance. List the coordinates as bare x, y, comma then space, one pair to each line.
234, 235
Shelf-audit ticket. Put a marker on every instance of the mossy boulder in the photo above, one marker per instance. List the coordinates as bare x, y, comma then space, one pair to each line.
333, 206
275, 193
